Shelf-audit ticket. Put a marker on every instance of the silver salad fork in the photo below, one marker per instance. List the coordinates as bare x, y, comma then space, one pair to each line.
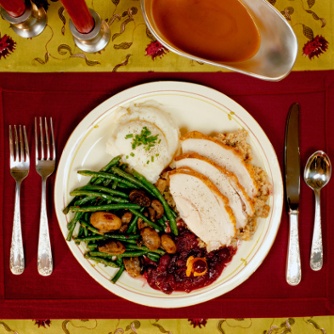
19, 163
45, 166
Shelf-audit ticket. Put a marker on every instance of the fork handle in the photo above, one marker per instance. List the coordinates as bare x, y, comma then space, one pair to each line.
44, 256
16, 260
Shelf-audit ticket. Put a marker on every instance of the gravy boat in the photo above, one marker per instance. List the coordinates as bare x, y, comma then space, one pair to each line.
278, 45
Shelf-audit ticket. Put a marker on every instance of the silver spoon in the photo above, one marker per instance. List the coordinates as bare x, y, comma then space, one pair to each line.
317, 173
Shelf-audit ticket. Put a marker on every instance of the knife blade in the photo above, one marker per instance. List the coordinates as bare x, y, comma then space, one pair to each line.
292, 187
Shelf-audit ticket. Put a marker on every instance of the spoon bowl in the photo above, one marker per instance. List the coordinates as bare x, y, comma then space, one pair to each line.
317, 173
278, 44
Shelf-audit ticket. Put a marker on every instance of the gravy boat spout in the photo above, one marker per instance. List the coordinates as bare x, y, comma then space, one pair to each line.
277, 50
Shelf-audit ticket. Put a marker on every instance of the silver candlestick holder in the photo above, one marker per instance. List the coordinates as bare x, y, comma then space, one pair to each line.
94, 41
30, 24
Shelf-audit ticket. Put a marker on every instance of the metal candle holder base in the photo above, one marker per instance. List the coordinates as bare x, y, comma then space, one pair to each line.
30, 24
94, 41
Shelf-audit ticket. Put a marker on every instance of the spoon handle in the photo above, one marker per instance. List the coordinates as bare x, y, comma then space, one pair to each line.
316, 259
293, 265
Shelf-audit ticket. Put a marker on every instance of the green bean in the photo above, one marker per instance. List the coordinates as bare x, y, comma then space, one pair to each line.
153, 256
103, 189
72, 224
107, 207
133, 225
146, 220
90, 193
82, 231
155, 192
158, 251
106, 175
114, 161
78, 201
91, 228
78, 192
92, 247
125, 254
126, 176
94, 180
101, 260
132, 254
122, 237
91, 238
129, 239
118, 274
162, 222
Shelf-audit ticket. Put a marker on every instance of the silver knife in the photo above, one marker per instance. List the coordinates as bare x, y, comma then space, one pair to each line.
292, 187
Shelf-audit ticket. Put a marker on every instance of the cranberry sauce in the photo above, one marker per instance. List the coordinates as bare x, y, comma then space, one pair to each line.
170, 273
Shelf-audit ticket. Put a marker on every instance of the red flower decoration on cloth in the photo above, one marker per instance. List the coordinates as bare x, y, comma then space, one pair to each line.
155, 49
315, 47
43, 323
7, 46
197, 322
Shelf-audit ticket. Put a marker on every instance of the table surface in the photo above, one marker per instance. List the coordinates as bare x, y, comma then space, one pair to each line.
38, 78
133, 49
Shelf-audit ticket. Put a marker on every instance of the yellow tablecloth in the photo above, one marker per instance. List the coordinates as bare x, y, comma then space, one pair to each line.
313, 325
132, 48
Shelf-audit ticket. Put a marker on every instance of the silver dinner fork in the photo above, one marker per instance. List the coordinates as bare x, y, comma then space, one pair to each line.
19, 163
45, 166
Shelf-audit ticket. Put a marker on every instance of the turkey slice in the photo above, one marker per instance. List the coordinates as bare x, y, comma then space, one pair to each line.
203, 208
224, 156
226, 182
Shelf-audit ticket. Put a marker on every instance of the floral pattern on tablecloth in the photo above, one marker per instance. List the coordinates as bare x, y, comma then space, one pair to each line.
133, 48
311, 325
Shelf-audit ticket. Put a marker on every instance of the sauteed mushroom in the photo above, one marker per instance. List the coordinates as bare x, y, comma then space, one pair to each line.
132, 266
158, 208
151, 238
168, 244
112, 247
105, 221
139, 197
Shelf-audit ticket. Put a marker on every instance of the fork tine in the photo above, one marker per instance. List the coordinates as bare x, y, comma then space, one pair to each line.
26, 146
21, 143
52, 140
47, 139
36, 140
11, 144
16, 144
39, 138
44, 138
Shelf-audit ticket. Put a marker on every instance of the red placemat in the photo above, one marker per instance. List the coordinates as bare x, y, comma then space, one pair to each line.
69, 292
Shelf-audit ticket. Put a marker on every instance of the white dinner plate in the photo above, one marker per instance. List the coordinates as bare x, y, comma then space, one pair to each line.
194, 107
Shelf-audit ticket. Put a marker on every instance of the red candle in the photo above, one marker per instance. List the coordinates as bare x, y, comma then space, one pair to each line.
79, 14
14, 8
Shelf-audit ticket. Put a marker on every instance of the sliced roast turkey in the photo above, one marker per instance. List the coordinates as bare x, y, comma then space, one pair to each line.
226, 182
203, 207
224, 156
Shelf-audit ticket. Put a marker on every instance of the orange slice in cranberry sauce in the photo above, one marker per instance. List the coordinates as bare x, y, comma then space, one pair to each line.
216, 30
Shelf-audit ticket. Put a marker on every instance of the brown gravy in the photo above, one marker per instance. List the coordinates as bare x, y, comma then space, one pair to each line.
217, 30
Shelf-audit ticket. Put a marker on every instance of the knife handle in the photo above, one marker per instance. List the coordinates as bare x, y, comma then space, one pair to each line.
293, 265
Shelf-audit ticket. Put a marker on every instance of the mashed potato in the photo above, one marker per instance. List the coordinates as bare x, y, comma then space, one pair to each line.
146, 137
